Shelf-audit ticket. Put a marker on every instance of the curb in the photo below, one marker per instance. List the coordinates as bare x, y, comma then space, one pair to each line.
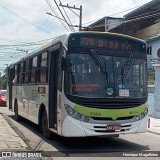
153, 132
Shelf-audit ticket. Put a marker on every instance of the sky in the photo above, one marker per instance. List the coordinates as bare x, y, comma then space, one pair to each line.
25, 26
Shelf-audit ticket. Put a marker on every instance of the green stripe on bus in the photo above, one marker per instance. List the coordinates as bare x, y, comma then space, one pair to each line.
109, 113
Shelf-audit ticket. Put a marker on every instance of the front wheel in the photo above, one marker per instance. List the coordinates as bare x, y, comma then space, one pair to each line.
44, 126
17, 116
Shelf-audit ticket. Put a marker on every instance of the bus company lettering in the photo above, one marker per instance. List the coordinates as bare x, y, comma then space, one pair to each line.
102, 43
114, 45
85, 87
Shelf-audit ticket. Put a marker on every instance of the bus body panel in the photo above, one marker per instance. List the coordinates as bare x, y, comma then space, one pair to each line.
60, 103
29, 100
61, 109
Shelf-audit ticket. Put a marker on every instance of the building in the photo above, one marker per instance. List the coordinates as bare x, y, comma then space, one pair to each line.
105, 24
154, 72
143, 23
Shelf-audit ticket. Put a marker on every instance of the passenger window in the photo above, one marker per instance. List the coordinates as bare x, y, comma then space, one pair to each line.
21, 77
44, 68
26, 79
33, 69
18, 73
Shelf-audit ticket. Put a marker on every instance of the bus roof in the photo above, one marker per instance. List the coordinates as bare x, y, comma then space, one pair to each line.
63, 39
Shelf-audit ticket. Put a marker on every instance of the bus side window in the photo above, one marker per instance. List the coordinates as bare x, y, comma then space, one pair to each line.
43, 68
18, 73
33, 69
13, 73
26, 74
21, 75
15, 77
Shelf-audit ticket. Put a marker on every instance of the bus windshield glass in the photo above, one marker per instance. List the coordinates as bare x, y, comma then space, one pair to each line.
108, 76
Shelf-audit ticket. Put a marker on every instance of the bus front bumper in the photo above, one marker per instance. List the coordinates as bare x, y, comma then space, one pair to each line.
75, 128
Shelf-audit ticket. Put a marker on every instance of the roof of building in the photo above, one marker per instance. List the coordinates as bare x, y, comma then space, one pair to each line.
153, 5
103, 19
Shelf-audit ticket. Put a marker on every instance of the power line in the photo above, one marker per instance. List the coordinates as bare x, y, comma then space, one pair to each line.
67, 15
127, 21
51, 7
80, 17
64, 16
116, 13
24, 19
27, 42
40, 42
13, 45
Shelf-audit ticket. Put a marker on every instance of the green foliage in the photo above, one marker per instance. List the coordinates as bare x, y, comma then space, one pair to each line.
3, 82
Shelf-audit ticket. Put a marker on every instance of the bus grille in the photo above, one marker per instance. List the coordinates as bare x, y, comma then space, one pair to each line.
113, 105
109, 118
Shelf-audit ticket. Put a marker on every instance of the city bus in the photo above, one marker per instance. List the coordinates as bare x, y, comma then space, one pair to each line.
82, 84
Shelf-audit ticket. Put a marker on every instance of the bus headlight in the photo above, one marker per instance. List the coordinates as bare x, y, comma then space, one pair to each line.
86, 118
137, 118
74, 114
78, 116
142, 115
146, 111
69, 110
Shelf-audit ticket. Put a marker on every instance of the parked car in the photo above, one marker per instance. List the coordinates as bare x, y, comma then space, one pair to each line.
3, 98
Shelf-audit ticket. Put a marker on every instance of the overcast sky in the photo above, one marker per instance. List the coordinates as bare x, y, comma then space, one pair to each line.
26, 21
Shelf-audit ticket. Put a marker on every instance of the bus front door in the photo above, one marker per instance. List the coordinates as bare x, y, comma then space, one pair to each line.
53, 81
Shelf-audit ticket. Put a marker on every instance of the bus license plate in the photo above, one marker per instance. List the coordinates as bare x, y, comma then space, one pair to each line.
113, 127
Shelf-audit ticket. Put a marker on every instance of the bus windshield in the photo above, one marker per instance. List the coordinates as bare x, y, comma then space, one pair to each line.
119, 77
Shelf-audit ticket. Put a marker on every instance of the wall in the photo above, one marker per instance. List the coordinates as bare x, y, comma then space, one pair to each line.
155, 44
154, 94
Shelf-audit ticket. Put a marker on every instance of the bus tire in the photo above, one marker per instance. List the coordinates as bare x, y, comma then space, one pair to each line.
44, 126
17, 116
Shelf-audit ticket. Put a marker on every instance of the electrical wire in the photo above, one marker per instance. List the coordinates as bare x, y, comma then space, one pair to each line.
51, 7
64, 17
116, 13
67, 16
127, 21
24, 19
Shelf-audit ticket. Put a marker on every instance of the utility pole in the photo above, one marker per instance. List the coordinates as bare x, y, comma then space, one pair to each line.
80, 16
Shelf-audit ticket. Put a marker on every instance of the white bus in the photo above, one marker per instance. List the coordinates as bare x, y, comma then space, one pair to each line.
82, 84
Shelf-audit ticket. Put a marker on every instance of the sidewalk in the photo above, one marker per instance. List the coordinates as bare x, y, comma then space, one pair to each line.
9, 139
154, 125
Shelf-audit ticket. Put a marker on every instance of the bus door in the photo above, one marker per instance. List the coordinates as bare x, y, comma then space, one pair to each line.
11, 76
53, 81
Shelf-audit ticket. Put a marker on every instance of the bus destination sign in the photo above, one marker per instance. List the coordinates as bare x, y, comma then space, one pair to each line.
103, 43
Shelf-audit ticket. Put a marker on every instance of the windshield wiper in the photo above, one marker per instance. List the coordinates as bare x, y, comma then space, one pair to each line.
99, 63
127, 66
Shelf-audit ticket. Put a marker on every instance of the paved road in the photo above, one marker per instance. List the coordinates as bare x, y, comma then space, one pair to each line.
88, 147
